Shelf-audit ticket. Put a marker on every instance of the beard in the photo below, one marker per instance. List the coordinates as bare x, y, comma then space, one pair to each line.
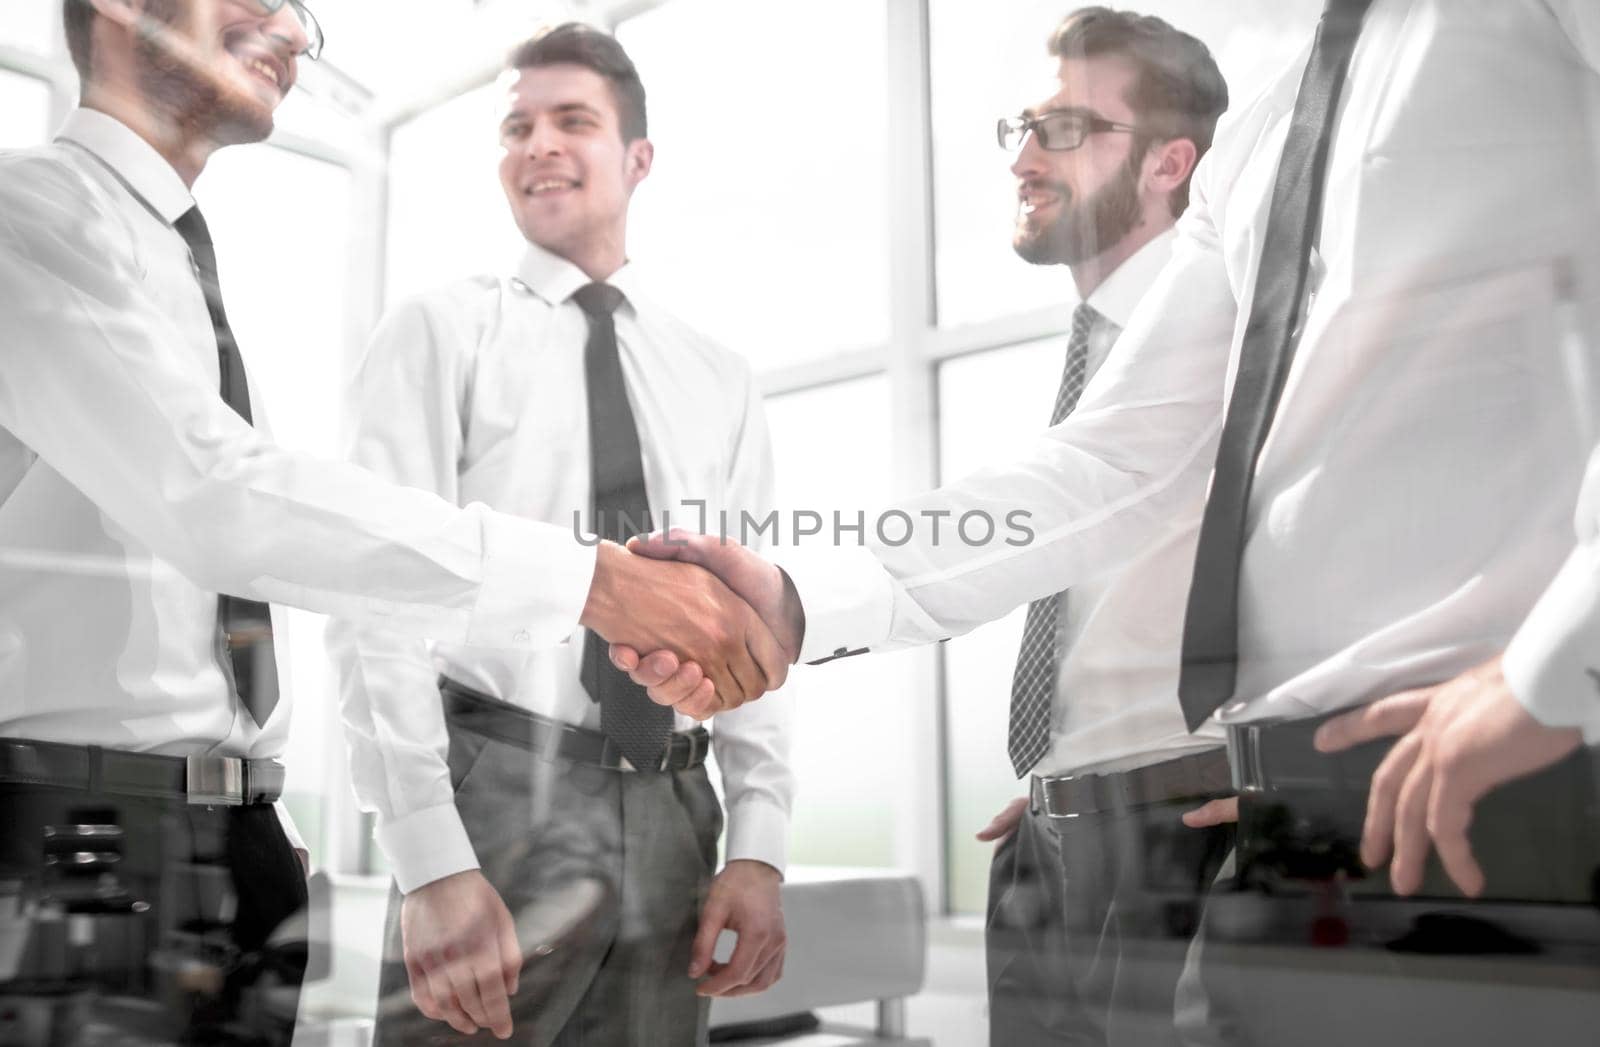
201, 100
1086, 228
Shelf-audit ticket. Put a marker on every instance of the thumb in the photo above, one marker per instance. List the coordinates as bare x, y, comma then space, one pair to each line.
712, 920
675, 544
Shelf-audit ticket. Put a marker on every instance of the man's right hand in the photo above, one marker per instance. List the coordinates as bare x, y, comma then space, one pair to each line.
461, 953
1005, 823
678, 605
683, 682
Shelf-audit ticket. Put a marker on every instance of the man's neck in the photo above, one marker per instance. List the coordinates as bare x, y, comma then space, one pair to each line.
184, 148
599, 258
1091, 273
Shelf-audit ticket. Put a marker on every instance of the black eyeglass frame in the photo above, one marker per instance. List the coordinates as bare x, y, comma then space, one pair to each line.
1029, 123
313, 28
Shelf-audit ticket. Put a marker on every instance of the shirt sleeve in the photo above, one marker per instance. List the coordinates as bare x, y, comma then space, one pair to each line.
1090, 493
1553, 661
752, 742
99, 384
406, 402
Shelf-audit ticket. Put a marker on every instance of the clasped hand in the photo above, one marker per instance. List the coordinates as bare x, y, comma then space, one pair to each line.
701, 622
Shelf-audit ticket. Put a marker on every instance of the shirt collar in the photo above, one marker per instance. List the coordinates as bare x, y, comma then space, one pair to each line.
133, 159
1118, 295
554, 279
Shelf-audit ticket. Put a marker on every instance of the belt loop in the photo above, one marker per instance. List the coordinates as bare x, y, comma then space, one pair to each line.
95, 756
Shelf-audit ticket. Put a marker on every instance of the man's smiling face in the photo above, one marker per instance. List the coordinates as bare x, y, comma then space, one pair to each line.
564, 167
221, 67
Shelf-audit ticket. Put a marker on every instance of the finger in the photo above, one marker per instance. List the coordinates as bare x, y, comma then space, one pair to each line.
676, 687
491, 988
1449, 819
702, 704
1214, 812
1383, 718
1411, 840
624, 657
1004, 823
422, 992
765, 977
1377, 829
767, 653
463, 976
510, 954
675, 544
450, 1008
713, 918
739, 969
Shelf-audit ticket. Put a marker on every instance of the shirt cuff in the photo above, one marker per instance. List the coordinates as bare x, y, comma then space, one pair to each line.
1553, 662
536, 579
759, 831
426, 845
847, 595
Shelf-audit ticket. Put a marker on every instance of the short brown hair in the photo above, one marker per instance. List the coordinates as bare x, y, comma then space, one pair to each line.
77, 16
1179, 91
573, 43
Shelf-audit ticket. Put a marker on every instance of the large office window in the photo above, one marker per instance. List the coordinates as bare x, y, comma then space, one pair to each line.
831, 446
32, 25
24, 110
764, 219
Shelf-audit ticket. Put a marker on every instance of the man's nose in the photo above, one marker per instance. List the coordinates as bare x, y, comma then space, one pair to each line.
1030, 159
283, 28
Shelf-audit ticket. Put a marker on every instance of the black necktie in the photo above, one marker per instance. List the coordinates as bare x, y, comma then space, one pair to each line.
1211, 626
638, 726
244, 627
1033, 684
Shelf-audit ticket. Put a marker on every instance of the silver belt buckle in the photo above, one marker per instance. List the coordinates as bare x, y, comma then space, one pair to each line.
1244, 758
214, 780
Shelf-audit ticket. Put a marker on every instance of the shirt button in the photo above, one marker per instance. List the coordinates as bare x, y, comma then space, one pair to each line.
522, 636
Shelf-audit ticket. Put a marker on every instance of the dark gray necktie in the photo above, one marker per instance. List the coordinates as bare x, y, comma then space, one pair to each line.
639, 727
244, 627
1211, 625
1033, 684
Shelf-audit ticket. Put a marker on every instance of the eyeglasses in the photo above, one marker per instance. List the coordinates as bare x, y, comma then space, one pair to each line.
308, 23
1056, 131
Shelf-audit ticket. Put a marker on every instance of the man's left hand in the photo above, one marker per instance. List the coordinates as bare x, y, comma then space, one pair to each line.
1459, 740
744, 900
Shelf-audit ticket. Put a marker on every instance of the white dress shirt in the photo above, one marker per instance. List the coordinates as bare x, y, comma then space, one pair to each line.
131, 494
1416, 492
1119, 633
476, 392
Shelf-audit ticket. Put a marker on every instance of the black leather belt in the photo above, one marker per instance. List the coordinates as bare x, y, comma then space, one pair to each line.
229, 781
1278, 756
1197, 776
475, 711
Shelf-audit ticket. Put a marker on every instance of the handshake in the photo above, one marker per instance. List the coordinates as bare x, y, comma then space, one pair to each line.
702, 623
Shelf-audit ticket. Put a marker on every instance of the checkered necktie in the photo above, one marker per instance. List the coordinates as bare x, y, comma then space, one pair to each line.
1033, 687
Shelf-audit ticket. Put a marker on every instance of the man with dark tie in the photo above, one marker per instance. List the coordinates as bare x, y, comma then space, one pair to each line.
1376, 340
147, 520
1094, 863
505, 783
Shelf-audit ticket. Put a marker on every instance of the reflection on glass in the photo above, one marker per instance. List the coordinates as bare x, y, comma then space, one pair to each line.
850, 774
286, 303
24, 110
990, 406
764, 220
990, 61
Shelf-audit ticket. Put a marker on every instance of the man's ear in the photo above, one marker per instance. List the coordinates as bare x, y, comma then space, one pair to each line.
1169, 164
636, 165
123, 12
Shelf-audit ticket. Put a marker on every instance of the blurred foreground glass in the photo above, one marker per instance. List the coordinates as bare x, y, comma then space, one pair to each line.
24, 110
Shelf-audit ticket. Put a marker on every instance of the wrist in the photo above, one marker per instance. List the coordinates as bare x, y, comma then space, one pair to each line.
602, 610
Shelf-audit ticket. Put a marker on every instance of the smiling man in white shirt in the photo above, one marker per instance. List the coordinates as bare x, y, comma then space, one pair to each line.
1408, 515
146, 520
559, 390
1094, 864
